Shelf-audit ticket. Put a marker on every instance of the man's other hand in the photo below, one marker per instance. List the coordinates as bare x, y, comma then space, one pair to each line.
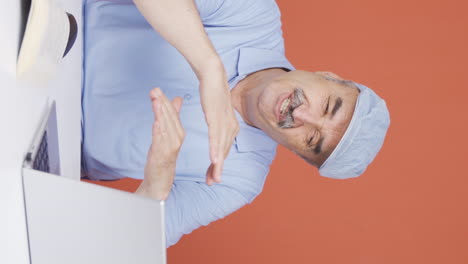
219, 114
168, 136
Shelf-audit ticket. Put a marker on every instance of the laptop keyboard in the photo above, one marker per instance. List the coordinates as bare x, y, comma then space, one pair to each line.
41, 162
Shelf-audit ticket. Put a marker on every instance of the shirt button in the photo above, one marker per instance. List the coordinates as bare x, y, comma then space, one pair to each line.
187, 97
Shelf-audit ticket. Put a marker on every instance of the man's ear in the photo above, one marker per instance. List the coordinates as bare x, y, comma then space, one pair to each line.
329, 74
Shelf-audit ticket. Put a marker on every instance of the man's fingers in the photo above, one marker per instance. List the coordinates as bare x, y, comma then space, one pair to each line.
209, 175
154, 93
168, 131
157, 109
219, 150
169, 106
171, 110
217, 171
154, 103
177, 103
213, 150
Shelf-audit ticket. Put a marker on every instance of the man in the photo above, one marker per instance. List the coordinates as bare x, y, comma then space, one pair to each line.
334, 124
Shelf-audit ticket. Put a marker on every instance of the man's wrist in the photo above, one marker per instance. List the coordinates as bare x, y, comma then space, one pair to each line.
210, 68
150, 190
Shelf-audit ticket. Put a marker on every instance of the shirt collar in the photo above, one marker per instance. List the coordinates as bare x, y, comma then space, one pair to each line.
253, 59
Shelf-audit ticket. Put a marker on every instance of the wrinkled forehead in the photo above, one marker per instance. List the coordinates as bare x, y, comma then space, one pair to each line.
321, 81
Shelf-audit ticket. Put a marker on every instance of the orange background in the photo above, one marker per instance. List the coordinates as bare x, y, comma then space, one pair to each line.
411, 205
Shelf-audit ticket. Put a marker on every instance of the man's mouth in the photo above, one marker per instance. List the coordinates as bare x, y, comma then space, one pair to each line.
283, 106
286, 106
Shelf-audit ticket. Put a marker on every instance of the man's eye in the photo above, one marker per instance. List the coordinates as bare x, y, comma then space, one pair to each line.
328, 104
310, 141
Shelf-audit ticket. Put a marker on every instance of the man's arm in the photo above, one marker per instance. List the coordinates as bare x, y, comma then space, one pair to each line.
193, 204
178, 21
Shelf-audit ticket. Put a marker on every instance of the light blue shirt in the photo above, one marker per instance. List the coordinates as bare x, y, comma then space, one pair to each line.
125, 58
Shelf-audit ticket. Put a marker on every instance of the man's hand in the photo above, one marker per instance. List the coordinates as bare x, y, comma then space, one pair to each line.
168, 136
220, 117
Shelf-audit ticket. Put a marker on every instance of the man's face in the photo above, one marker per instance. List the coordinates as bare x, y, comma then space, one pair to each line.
306, 112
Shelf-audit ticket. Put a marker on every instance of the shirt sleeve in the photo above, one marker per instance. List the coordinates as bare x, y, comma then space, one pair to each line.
206, 8
237, 13
193, 204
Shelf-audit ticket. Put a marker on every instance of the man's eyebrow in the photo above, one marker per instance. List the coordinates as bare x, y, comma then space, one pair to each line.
338, 103
337, 106
318, 147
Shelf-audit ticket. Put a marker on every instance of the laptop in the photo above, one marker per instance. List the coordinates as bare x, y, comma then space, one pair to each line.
69, 221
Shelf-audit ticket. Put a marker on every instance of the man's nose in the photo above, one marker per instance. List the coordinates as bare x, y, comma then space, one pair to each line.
304, 115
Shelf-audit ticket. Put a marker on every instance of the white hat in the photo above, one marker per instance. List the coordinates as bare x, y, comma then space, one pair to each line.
362, 140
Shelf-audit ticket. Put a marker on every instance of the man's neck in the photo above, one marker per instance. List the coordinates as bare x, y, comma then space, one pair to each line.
247, 87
